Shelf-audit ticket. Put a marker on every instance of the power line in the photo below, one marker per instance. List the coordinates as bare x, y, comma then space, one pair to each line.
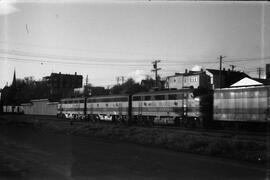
71, 63
72, 58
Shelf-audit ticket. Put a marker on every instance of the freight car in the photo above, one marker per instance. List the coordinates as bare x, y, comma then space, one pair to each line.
12, 109
245, 107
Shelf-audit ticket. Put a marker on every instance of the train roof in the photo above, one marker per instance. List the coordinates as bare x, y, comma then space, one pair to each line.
109, 96
244, 87
165, 92
68, 99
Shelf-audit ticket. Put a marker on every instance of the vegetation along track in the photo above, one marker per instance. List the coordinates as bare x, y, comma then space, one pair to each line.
240, 135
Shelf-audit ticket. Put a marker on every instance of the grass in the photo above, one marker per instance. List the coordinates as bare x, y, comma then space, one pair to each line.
229, 147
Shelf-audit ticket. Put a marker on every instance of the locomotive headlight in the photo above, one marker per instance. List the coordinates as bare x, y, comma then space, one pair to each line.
197, 99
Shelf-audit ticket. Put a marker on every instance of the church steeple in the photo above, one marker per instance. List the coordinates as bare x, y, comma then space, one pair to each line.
14, 79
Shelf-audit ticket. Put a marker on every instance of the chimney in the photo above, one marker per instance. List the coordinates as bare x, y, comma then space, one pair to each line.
75, 73
186, 71
224, 69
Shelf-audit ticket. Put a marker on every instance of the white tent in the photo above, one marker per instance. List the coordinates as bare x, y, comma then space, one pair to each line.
246, 82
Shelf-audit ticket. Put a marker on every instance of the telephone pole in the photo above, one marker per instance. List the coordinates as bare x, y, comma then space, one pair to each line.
120, 80
220, 68
259, 71
86, 80
156, 69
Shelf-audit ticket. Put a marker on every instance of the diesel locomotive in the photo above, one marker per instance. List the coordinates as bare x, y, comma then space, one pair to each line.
186, 107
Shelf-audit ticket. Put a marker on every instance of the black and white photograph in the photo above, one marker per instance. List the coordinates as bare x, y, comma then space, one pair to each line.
134, 90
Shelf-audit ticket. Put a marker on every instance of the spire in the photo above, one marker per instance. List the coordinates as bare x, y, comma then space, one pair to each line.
14, 79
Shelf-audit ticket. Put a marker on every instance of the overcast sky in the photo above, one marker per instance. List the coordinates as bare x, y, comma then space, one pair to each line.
106, 39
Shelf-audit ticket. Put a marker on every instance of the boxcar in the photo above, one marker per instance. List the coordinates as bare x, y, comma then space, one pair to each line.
108, 108
243, 104
12, 109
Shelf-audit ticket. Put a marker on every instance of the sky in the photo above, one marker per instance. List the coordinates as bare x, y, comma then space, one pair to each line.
109, 39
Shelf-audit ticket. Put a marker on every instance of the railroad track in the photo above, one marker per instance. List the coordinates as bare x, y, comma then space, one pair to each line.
243, 135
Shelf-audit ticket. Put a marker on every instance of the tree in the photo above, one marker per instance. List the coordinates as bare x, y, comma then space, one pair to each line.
129, 87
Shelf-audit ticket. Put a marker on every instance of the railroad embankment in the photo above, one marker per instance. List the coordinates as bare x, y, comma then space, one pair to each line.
227, 145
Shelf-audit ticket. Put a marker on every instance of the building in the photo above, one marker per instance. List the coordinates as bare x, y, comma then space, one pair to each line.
61, 81
191, 79
246, 82
63, 84
228, 77
174, 81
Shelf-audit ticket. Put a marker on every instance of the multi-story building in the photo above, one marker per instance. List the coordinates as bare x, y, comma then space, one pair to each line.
174, 81
63, 84
191, 79
58, 80
210, 78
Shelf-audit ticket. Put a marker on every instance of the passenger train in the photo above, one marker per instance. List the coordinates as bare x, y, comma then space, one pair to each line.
186, 107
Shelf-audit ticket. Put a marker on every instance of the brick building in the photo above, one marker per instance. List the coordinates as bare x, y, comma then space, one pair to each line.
63, 84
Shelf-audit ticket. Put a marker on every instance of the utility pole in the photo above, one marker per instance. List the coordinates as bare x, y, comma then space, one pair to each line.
156, 69
220, 68
86, 80
117, 80
120, 79
259, 71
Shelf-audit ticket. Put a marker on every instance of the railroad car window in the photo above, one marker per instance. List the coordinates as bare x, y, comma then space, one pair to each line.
136, 98
159, 97
172, 96
117, 99
81, 101
147, 98
180, 96
97, 105
107, 105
